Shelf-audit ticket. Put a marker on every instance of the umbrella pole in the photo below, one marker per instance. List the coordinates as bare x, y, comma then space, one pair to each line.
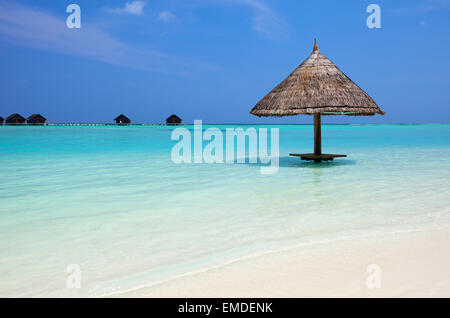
317, 135
317, 156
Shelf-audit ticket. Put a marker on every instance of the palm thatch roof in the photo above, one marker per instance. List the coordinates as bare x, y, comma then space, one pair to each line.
122, 119
15, 119
36, 117
317, 86
173, 119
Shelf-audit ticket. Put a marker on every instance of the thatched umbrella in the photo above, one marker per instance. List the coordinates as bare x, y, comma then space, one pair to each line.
317, 87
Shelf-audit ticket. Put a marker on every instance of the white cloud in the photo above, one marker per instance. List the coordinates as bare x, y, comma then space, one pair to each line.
134, 7
166, 16
265, 21
38, 29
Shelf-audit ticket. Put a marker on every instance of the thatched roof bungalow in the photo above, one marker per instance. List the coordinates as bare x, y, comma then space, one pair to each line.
15, 119
174, 120
1, 120
36, 119
122, 120
317, 87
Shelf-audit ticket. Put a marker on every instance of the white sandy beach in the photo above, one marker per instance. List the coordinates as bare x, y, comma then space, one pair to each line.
412, 265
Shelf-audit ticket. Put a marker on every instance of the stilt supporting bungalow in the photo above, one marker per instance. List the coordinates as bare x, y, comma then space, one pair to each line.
317, 87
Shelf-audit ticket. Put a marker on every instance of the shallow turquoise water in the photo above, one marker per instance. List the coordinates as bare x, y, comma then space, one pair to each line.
111, 200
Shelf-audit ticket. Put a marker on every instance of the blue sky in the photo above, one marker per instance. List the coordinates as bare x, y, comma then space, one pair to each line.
215, 59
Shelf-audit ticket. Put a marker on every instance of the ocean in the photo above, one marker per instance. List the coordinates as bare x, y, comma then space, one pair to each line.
110, 200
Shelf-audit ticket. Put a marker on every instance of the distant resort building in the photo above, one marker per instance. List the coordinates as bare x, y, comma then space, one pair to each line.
174, 120
36, 119
122, 120
15, 119
1, 120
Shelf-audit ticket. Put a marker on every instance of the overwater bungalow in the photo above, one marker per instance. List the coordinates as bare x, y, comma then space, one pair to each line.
15, 119
122, 120
317, 87
36, 119
1, 120
173, 120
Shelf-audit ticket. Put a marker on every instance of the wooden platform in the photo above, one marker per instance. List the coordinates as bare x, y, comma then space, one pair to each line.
317, 158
